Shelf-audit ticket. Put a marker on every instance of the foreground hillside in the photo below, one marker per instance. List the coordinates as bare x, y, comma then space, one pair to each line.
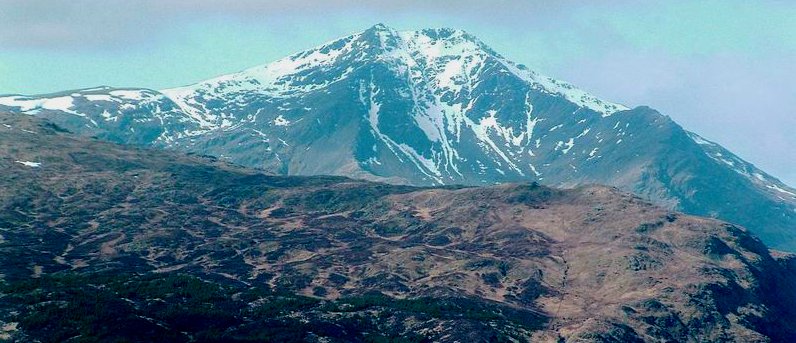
100, 242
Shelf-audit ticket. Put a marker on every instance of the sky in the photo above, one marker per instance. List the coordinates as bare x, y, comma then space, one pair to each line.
722, 68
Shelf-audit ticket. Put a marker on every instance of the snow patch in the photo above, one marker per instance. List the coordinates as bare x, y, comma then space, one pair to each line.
593, 152
98, 97
779, 189
281, 121
32, 105
569, 144
29, 164
699, 140
535, 172
129, 94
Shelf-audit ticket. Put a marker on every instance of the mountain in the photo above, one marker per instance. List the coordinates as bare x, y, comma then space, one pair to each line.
430, 107
104, 242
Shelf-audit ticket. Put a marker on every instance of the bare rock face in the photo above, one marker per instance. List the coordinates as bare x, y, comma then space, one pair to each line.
103, 242
430, 107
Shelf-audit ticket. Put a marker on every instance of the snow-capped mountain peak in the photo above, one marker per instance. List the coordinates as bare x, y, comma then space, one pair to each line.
452, 58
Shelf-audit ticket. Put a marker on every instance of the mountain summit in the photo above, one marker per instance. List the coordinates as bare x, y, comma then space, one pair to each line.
430, 107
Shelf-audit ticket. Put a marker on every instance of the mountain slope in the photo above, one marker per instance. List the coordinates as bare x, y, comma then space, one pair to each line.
431, 107
118, 243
